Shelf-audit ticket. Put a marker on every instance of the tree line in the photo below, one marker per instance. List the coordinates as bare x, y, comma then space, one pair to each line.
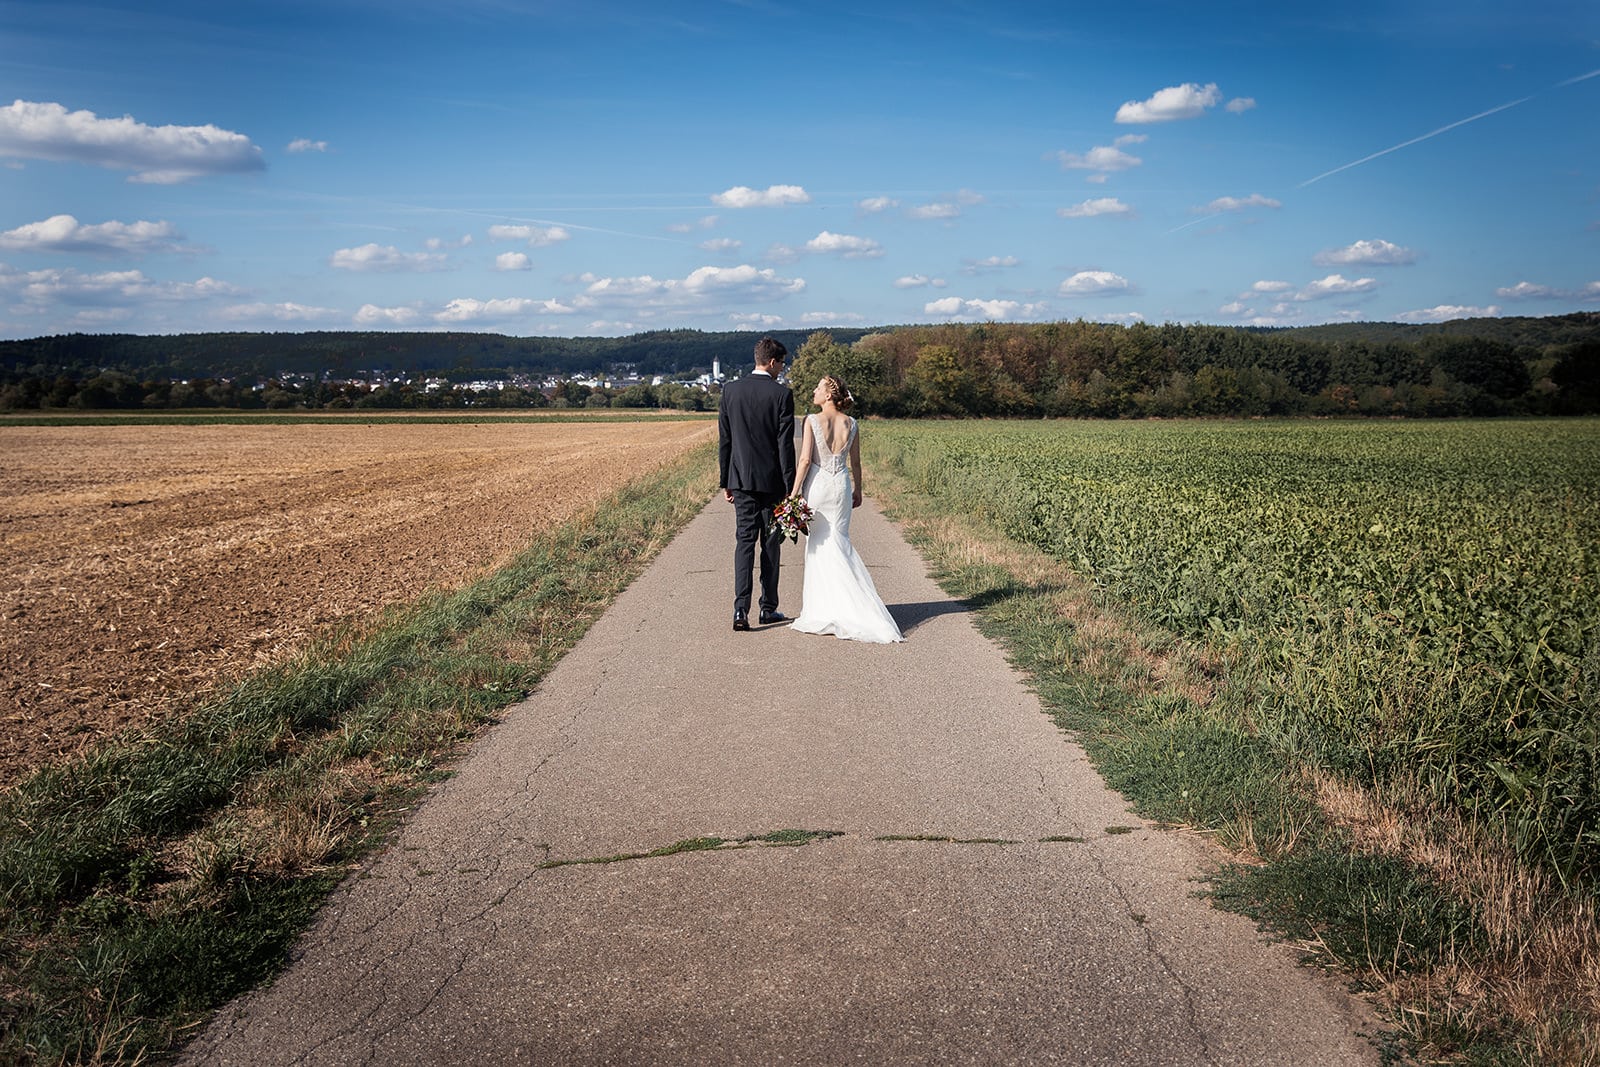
1081, 369
1511, 366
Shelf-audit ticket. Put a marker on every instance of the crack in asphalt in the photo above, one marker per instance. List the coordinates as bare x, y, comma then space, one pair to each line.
1190, 1008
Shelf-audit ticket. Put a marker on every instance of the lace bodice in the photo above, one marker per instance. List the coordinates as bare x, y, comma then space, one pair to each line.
833, 463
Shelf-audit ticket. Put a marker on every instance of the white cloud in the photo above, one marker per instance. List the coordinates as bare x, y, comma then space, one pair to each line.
536, 236
159, 155
64, 233
829, 318
386, 259
1445, 312
1235, 203
373, 315
1186, 101
1088, 209
938, 210
742, 196
721, 245
1125, 318
512, 261
1336, 285
466, 309
781, 253
302, 144
1102, 158
977, 266
1240, 104
1235, 308
986, 310
1377, 252
108, 288
873, 205
918, 281
743, 283
438, 244
705, 222
1131, 138
1094, 283
1271, 287
286, 312
844, 245
1530, 291
757, 318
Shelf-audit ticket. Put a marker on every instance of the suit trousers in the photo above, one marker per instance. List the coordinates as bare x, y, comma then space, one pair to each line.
752, 516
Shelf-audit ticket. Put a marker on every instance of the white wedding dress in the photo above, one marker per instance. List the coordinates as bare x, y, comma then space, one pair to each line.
837, 596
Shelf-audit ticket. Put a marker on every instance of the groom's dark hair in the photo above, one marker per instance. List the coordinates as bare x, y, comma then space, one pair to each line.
769, 349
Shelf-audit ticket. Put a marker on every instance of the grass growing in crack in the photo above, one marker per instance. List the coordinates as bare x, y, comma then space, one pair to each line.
775, 839
947, 840
1470, 955
150, 881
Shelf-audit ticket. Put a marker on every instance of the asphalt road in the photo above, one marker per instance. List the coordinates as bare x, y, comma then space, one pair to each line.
875, 945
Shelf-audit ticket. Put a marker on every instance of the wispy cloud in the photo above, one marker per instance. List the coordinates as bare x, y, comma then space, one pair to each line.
1089, 209
536, 236
159, 155
1446, 312
1529, 291
1234, 204
918, 281
874, 205
512, 261
1240, 104
936, 210
283, 312
991, 263
1102, 159
305, 144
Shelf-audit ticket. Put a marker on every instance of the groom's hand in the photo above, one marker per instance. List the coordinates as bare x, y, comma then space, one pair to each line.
728, 493
855, 499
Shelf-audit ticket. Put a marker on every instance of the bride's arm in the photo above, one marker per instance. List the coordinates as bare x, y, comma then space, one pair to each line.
855, 468
804, 461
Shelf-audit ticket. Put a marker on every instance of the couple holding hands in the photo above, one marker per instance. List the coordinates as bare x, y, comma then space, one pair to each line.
756, 454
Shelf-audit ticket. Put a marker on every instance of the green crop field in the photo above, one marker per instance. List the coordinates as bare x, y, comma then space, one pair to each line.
1412, 602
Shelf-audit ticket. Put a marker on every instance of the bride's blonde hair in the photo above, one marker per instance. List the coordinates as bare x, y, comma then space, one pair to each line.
838, 393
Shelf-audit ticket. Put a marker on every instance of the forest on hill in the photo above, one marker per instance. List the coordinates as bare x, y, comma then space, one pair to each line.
1493, 366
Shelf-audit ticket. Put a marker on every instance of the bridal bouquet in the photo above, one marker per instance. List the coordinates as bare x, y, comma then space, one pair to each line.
790, 518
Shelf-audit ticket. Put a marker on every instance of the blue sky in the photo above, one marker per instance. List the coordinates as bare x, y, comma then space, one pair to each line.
610, 167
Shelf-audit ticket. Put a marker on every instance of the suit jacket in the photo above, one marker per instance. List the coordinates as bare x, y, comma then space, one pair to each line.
755, 435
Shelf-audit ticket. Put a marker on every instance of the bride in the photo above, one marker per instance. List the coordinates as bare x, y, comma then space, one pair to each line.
838, 596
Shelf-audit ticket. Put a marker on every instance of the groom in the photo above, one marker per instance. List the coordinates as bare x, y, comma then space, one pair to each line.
755, 449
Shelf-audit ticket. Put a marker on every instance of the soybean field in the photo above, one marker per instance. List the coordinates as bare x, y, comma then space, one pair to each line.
1405, 603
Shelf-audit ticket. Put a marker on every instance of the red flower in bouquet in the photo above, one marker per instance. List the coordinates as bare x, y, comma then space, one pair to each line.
790, 518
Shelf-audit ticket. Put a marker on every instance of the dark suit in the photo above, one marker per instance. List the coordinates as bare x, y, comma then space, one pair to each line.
755, 450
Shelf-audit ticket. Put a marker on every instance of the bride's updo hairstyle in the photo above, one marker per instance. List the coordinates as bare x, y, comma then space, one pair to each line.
838, 393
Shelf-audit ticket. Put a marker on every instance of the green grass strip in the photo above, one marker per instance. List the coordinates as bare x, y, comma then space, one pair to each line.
775, 839
146, 884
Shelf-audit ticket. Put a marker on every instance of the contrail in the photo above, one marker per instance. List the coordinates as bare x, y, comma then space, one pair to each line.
1446, 129
1414, 140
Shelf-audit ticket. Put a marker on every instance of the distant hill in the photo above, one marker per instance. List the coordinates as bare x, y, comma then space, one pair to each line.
1517, 331
457, 355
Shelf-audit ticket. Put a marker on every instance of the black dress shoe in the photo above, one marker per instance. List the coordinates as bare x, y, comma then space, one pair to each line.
741, 621
769, 617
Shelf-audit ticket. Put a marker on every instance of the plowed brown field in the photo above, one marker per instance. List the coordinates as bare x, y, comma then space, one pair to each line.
140, 562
